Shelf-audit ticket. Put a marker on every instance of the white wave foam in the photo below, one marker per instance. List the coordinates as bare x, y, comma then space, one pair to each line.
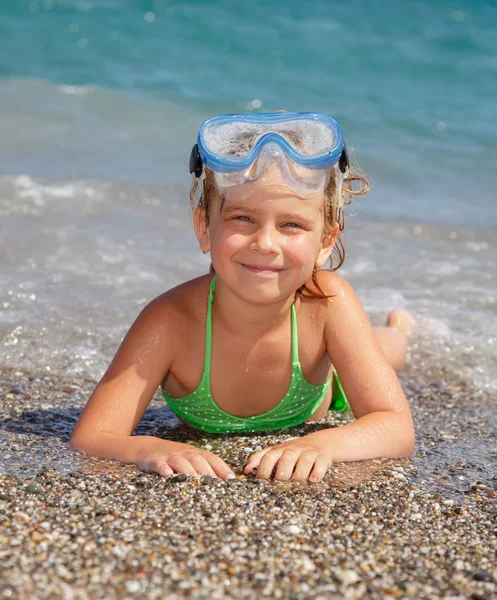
75, 90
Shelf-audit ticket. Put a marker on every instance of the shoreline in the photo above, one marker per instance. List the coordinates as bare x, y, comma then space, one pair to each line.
79, 527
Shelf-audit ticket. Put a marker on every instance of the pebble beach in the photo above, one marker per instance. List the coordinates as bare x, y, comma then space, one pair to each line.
75, 527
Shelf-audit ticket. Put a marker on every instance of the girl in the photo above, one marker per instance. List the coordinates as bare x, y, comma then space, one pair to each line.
268, 339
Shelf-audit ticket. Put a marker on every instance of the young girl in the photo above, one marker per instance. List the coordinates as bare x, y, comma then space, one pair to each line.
268, 339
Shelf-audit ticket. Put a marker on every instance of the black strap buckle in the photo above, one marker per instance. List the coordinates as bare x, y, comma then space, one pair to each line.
343, 161
196, 161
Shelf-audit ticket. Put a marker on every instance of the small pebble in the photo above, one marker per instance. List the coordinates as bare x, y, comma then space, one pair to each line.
207, 479
242, 529
5, 497
34, 488
21, 516
234, 480
178, 478
293, 529
347, 576
133, 586
484, 576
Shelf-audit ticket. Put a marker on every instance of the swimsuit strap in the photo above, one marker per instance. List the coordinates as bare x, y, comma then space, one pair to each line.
295, 336
208, 331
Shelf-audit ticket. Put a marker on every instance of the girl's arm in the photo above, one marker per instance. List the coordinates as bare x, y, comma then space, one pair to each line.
383, 426
116, 406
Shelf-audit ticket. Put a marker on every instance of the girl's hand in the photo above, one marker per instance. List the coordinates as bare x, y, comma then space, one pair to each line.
183, 458
296, 460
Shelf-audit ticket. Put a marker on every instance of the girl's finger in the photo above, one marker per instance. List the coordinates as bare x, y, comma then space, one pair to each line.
221, 469
181, 465
255, 459
201, 465
164, 469
268, 463
304, 466
286, 465
321, 466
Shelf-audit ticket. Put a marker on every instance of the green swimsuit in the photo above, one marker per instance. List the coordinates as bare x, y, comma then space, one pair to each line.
300, 402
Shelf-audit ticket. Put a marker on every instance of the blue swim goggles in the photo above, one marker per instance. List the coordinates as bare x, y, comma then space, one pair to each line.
298, 150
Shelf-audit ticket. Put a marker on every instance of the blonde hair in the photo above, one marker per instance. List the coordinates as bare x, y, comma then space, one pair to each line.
354, 184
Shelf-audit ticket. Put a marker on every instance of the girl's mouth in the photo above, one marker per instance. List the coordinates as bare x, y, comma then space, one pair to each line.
261, 269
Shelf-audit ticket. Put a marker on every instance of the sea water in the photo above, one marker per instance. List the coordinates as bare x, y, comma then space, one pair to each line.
100, 102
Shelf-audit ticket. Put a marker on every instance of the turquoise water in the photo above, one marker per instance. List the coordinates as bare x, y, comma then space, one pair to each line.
100, 102
414, 86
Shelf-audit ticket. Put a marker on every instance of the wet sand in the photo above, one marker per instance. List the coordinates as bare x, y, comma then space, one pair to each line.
76, 527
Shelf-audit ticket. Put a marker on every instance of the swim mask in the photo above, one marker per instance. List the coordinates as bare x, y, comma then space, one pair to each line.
248, 151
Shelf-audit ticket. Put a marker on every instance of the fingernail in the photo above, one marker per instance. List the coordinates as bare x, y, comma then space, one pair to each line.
231, 476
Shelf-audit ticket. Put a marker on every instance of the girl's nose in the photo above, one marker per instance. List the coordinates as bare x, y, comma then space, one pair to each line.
265, 240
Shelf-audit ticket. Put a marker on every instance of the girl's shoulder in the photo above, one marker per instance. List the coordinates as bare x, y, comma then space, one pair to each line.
176, 311
340, 303
333, 286
185, 299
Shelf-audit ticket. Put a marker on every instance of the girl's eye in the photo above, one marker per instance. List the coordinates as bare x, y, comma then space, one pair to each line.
242, 218
292, 225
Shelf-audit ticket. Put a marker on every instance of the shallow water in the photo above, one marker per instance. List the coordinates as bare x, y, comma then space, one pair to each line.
81, 258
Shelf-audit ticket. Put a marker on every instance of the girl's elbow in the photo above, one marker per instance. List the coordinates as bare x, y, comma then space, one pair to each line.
72, 444
76, 443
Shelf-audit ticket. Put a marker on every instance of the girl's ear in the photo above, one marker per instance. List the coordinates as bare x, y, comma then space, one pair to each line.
201, 229
327, 243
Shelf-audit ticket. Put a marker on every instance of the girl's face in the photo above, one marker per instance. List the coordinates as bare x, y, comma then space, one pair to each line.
265, 246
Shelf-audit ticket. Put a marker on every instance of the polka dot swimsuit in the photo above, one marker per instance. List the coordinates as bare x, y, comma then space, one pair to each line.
299, 403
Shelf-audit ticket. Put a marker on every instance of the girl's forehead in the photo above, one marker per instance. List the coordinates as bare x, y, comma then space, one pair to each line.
270, 196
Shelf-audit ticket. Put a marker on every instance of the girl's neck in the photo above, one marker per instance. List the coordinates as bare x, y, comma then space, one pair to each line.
245, 318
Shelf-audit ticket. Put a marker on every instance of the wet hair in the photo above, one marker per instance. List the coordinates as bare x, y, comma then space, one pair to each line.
354, 184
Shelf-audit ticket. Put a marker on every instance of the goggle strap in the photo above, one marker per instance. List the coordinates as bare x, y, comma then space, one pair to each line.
196, 165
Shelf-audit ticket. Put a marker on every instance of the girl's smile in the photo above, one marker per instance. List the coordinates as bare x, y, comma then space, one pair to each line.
262, 270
